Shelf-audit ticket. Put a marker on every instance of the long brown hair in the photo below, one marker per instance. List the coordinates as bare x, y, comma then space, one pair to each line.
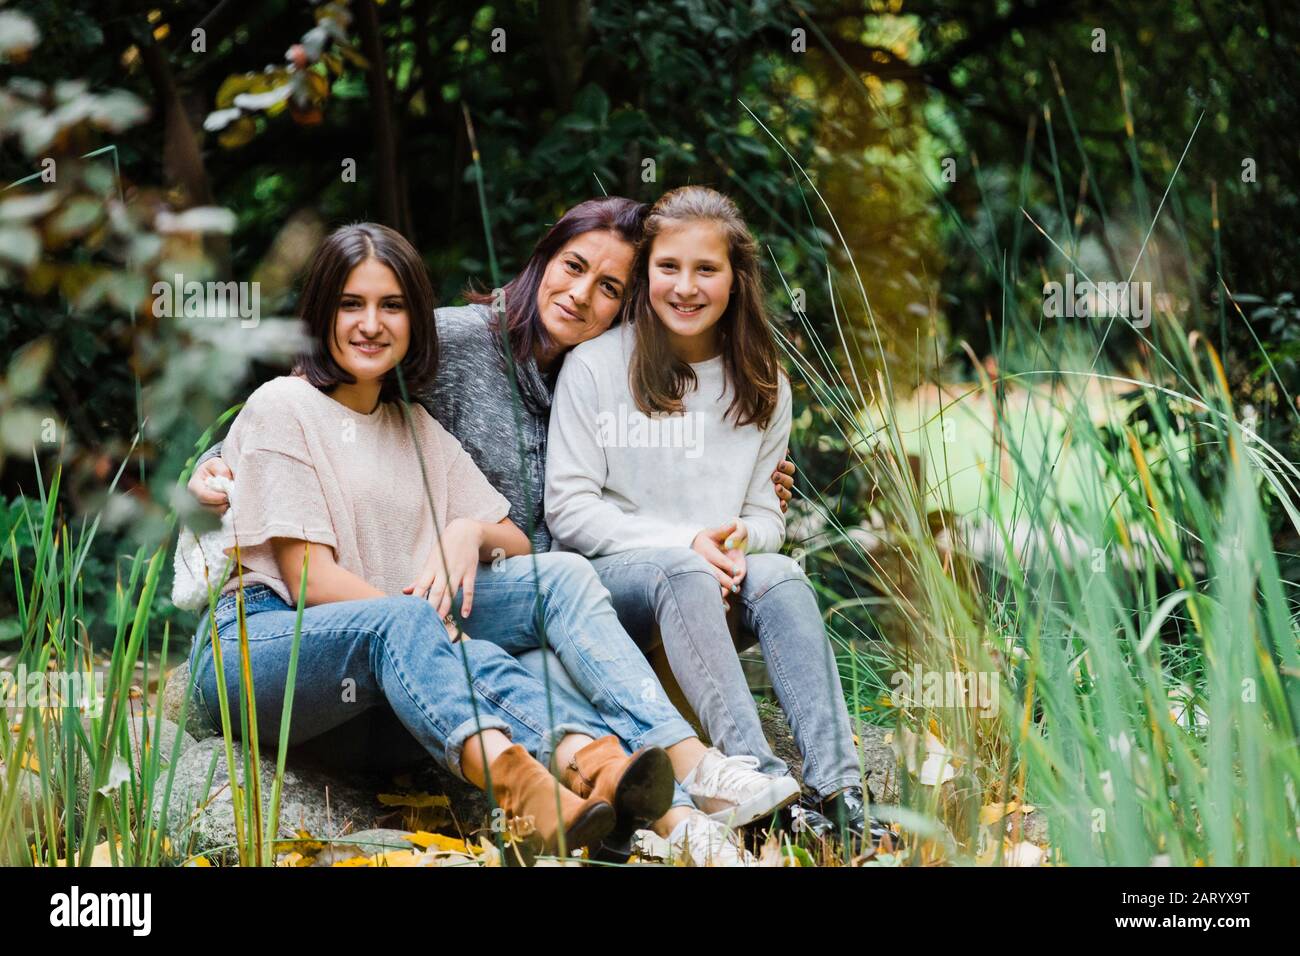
658, 378
342, 251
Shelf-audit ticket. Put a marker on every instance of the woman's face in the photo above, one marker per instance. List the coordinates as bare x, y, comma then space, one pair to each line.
690, 278
582, 287
372, 330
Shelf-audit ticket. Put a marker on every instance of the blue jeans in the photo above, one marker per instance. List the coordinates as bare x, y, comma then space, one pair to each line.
357, 655
562, 598
675, 588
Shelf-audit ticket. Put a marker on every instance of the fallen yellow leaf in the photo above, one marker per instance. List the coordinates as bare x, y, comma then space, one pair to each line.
305, 844
101, 856
414, 800
425, 840
994, 812
391, 858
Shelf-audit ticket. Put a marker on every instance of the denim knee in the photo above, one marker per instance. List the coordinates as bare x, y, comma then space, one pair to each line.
414, 613
409, 616
571, 578
408, 622
678, 560
765, 571
566, 569
686, 568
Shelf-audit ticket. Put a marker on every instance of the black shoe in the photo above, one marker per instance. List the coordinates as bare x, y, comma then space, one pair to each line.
843, 817
615, 848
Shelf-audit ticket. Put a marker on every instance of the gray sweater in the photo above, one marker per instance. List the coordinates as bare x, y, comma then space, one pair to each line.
503, 429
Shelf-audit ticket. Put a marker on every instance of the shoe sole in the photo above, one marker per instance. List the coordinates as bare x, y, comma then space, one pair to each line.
644, 794
758, 807
645, 791
589, 829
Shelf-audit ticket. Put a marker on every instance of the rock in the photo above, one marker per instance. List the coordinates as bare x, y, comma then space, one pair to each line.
323, 805
779, 736
880, 763
29, 782
167, 749
364, 843
377, 751
1033, 826
468, 810
177, 686
30, 808
879, 760
354, 762
166, 741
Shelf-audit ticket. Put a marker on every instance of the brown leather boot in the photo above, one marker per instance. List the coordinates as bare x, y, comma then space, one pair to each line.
639, 787
527, 792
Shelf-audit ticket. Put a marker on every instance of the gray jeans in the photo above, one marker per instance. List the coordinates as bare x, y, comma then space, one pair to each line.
675, 588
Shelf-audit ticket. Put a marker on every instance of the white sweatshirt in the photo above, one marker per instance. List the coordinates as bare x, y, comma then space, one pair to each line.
617, 479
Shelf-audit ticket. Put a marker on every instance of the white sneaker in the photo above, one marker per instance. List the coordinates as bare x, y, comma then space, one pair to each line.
705, 842
732, 791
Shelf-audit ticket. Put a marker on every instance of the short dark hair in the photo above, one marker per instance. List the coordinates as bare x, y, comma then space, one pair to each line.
342, 251
523, 323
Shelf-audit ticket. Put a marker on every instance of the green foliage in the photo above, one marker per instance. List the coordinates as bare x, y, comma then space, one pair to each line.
1065, 159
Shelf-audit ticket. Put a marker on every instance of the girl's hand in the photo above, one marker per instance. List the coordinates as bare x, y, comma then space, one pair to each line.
461, 541
783, 480
214, 501
734, 548
714, 544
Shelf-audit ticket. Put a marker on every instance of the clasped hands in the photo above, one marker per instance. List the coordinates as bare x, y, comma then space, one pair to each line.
724, 548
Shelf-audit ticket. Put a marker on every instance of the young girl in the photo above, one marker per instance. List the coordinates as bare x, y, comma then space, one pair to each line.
665, 433
391, 506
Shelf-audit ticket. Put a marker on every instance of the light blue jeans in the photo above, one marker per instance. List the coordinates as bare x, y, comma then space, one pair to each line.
394, 654
675, 588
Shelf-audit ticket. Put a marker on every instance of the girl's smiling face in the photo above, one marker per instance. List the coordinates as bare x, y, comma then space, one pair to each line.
372, 329
690, 286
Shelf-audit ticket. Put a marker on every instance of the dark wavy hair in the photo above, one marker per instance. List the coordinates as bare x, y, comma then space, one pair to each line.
339, 253
657, 378
523, 323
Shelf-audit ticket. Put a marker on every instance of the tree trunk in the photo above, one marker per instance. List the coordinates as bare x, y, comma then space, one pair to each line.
182, 162
182, 159
387, 180
565, 26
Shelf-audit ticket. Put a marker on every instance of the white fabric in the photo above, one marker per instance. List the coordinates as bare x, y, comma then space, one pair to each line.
617, 479
200, 560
